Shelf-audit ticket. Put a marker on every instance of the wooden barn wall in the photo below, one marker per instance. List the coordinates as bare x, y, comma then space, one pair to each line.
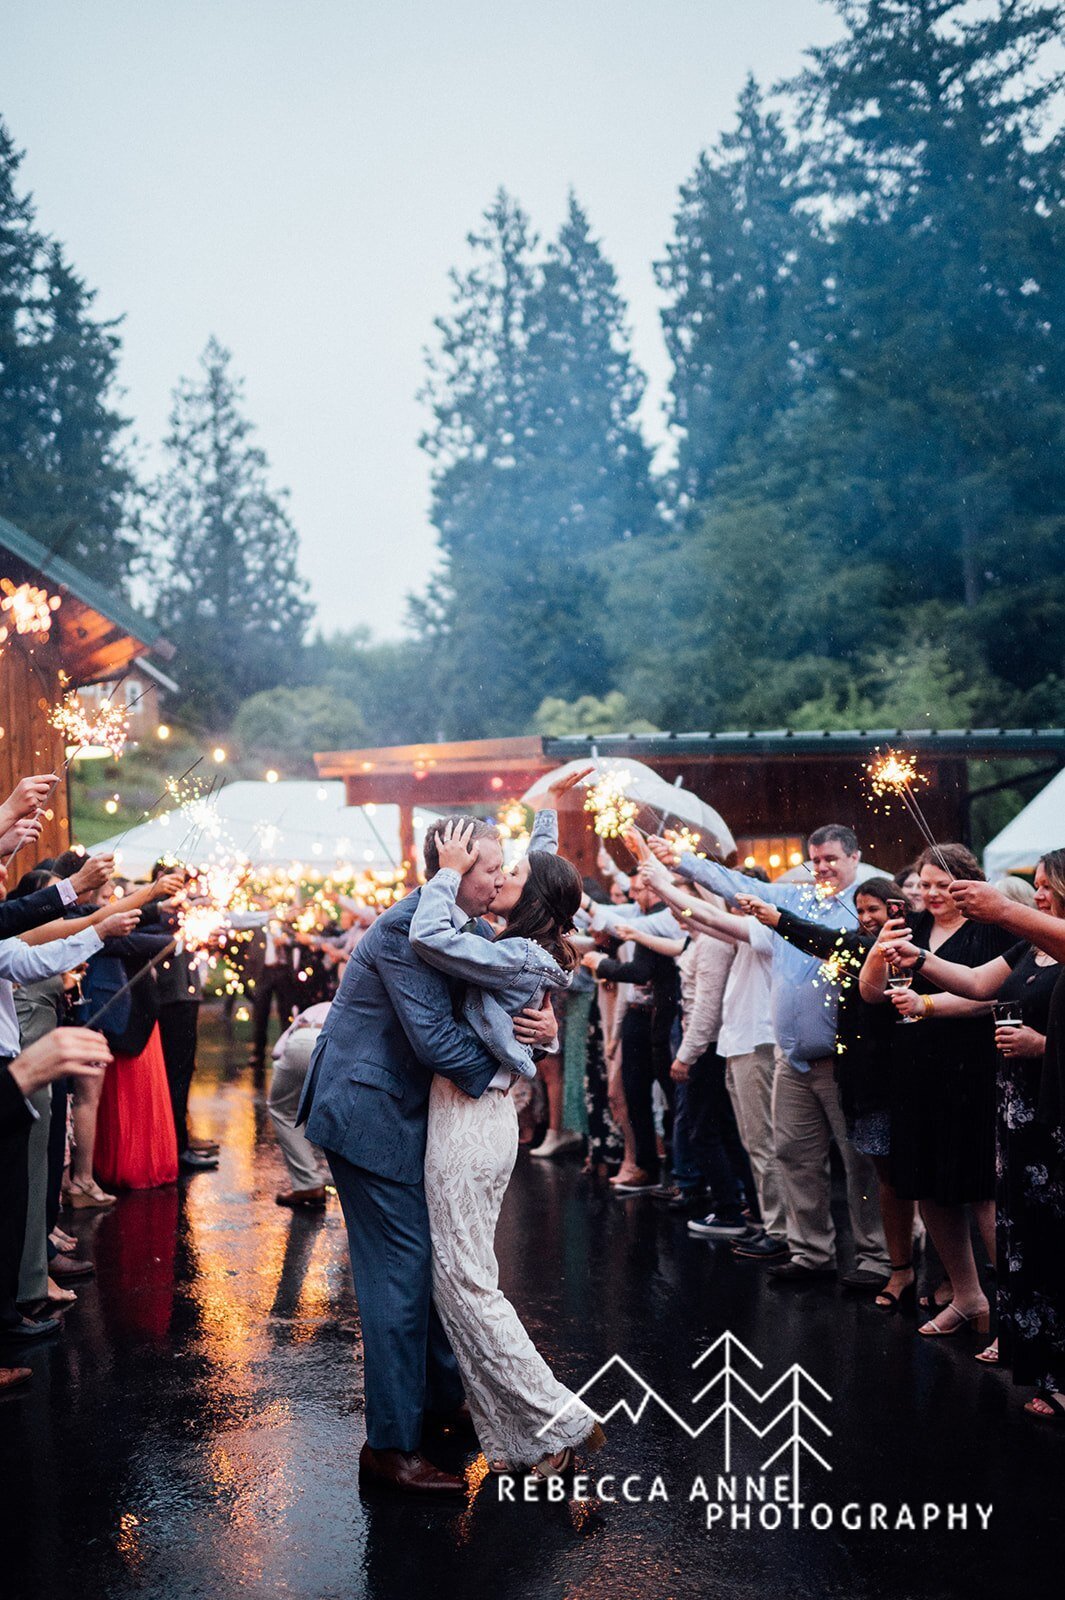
29, 744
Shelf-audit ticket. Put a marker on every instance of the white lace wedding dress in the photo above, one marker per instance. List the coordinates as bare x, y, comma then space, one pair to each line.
513, 1394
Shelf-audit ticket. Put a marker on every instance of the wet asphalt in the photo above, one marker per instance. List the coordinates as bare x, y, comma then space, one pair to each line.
196, 1429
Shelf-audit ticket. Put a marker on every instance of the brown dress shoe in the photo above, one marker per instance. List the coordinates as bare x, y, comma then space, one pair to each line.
406, 1471
11, 1377
315, 1198
63, 1267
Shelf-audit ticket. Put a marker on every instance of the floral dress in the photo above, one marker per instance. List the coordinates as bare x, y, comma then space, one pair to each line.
1030, 1202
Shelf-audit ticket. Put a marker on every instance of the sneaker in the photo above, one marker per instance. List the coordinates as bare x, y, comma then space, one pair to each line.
715, 1227
554, 1142
760, 1247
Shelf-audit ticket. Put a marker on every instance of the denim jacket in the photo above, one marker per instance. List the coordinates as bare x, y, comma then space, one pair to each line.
502, 976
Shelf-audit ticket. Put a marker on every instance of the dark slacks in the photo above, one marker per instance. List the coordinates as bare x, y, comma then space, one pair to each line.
408, 1366
645, 1060
57, 1150
713, 1138
177, 1031
274, 984
14, 1196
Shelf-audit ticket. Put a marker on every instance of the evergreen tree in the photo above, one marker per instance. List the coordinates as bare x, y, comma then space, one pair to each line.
738, 276
926, 128
538, 468
64, 475
232, 598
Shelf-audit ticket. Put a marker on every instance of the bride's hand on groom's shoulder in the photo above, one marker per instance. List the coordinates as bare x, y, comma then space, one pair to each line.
456, 849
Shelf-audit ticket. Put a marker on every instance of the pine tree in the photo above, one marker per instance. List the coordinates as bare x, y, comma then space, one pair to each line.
926, 130
584, 392
64, 472
539, 469
738, 276
232, 599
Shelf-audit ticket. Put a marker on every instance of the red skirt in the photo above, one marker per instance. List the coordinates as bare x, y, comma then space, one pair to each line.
136, 1146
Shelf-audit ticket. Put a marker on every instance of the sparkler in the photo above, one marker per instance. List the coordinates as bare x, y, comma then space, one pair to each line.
896, 774
27, 608
108, 726
159, 800
608, 801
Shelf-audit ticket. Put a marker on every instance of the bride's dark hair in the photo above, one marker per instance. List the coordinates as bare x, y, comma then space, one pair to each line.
546, 907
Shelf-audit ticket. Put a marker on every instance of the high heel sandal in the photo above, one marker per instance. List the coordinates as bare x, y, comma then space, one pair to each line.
561, 1464
1056, 1414
980, 1321
990, 1356
907, 1295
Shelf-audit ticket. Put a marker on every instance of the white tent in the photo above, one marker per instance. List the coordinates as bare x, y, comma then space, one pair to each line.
1035, 830
271, 824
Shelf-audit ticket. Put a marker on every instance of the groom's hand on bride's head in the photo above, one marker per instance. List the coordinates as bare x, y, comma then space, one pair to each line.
456, 848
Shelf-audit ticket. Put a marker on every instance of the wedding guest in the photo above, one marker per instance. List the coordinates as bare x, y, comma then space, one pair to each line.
807, 1116
1044, 1334
1022, 982
67, 1052
179, 986
645, 1034
307, 1167
136, 1144
746, 1041
1015, 888
943, 1090
863, 1053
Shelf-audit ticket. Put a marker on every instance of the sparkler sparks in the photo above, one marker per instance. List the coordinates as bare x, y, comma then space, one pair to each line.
108, 726
608, 801
894, 773
26, 608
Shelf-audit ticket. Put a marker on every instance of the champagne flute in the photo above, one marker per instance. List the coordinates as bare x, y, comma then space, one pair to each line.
899, 979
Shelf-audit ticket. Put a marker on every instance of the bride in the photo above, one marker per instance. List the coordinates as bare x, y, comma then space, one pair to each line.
514, 1398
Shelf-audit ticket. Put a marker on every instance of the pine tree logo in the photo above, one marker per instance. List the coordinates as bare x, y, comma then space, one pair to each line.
617, 1389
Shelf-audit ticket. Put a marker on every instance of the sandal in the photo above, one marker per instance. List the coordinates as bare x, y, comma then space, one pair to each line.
1051, 1408
562, 1462
905, 1299
932, 1302
990, 1356
980, 1320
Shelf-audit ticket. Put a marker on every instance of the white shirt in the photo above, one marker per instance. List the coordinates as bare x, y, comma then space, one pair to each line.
747, 1009
25, 963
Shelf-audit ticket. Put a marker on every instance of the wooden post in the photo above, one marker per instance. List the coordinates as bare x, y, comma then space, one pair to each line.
408, 849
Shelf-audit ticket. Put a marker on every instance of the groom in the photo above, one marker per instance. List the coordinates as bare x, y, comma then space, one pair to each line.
392, 1025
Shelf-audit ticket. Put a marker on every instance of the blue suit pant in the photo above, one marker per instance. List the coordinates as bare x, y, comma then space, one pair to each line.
408, 1366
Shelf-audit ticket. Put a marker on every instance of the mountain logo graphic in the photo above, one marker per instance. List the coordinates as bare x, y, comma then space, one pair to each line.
617, 1389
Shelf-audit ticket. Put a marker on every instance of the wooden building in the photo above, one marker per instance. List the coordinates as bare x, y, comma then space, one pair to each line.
141, 689
73, 632
772, 788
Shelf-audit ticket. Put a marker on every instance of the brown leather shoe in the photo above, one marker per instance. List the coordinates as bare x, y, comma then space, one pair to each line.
11, 1377
314, 1198
63, 1267
408, 1472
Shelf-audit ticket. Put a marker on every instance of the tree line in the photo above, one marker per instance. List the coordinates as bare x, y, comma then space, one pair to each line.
862, 520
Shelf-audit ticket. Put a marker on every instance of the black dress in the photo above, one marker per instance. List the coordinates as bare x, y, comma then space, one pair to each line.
943, 1085
1030, 1236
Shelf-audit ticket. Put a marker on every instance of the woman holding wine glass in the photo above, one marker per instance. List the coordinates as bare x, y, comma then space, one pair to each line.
1021, 982
943, 1085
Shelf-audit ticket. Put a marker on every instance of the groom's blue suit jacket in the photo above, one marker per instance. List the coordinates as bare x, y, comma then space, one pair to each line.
391, 1026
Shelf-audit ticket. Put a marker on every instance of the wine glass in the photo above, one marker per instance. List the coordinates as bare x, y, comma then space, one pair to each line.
899, 979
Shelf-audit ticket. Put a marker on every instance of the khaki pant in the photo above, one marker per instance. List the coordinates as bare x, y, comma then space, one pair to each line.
305, 1162
806, 1118
750, 1085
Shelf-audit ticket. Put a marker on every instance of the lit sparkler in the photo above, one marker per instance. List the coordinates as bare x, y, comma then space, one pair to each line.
107, 727
607, 800
26, 608
896, 774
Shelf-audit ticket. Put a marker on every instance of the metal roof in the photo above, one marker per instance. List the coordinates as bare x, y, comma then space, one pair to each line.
87, 590
965, 743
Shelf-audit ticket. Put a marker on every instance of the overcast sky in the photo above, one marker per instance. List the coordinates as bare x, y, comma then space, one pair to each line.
298, 180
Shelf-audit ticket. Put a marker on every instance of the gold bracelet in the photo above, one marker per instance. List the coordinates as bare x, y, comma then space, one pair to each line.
929, 1004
